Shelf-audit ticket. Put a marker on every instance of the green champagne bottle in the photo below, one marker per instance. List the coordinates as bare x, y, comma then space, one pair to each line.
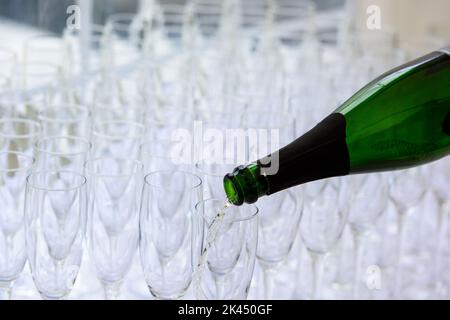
399, 120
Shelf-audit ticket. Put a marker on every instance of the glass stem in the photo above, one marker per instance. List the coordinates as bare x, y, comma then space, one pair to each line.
317, 261
268, 282
58, 267
299, 274
9, 247
400, 252
112, 291
359, 246
440, 240
220, 287
163, 263
112, 250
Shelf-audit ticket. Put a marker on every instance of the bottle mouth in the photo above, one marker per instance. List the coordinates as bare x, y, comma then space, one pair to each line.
245, 185
233, 190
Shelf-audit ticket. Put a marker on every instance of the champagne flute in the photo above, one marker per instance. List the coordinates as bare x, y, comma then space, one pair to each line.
166, 231
14, 168
115, 187
322, 225
406, 190
369, 202
114, 139
55, 222
278, 225
226, 252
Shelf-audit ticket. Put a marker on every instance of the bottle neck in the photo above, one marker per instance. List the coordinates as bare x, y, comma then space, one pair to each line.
246, 184
321, 153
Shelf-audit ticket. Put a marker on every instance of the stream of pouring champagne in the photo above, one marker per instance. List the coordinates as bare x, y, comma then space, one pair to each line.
212, 232
399, 120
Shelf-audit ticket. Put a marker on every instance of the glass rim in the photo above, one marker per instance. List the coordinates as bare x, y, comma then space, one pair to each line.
22, 154
85, 114
39, 148
33, 123
173, 8
52, 172
159, 172
138, 166
97, 35
200, 164
300, 9
163, 123
96, 132
206, 10
122, 20
103, 108
95, 28
143, 150
201, 203
55, 69
48, 36
146, 154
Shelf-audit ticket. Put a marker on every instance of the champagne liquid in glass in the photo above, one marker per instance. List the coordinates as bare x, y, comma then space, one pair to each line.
210, 238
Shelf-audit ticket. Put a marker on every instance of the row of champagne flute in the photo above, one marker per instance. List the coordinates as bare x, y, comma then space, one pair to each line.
334, 73
306, 117
59, 203
414, 181
318, 239
63, 155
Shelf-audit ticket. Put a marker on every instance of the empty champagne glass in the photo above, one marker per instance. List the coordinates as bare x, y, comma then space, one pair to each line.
65, 120
125, 32
89, 55
48, 48
117, 139
55, 222
172, 16
38, 81
406, 190
322, 225
14, 168
166, 231
438, 180
369, 202
115, 187
226, 251
165, 155
278, 225
19, 135
64, 153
